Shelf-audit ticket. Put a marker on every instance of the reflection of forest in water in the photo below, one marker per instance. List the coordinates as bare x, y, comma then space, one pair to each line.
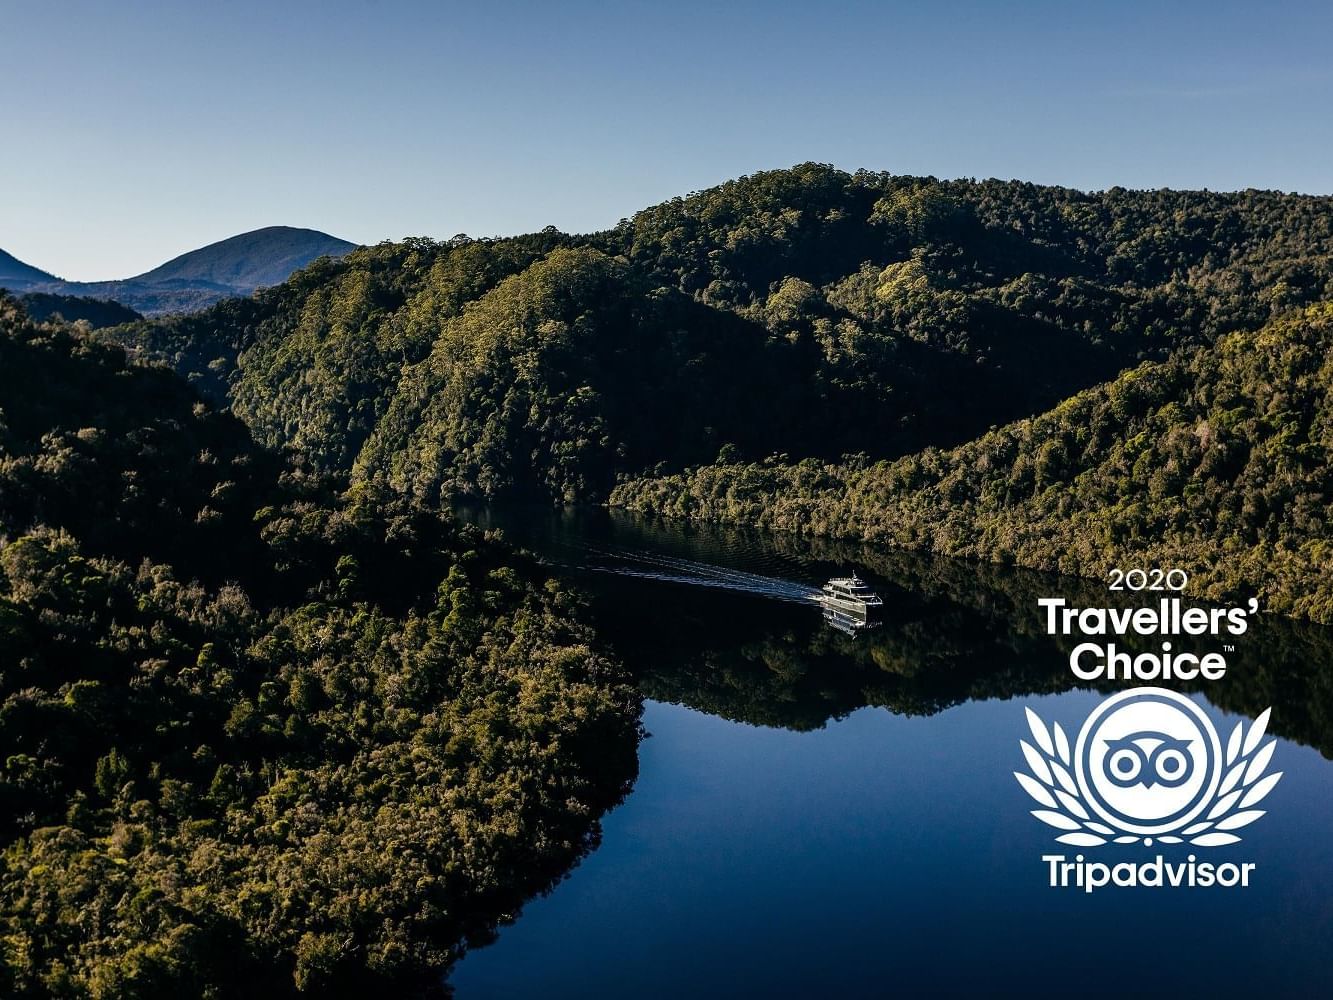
953, 632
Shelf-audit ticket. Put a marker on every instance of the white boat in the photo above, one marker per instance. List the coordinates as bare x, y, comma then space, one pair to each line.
852, 597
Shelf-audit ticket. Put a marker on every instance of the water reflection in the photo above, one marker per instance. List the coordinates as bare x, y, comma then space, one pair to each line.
826, 814
712, 618
848, 624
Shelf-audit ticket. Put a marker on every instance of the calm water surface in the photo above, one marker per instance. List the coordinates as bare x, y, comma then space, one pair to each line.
818, 815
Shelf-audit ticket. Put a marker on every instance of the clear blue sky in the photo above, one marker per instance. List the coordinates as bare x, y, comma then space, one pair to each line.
135, 131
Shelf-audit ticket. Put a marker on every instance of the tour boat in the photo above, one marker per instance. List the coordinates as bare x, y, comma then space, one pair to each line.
849, 596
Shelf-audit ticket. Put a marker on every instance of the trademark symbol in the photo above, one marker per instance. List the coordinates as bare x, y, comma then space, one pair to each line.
1228, 647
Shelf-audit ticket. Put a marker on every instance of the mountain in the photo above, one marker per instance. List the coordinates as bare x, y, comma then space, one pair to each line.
806, 311
251, 260
18, 276
801, 315
226, 269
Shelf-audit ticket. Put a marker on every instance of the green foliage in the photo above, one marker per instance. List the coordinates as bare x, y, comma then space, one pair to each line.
127, 459
1217, 460
257, 737
311, 362
528, 390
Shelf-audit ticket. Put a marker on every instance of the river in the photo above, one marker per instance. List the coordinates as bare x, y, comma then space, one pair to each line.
825, 815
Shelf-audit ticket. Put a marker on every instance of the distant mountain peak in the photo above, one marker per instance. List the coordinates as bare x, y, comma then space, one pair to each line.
250, 260
231, 267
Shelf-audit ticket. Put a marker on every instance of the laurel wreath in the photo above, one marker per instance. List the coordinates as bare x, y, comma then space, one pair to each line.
1244, 785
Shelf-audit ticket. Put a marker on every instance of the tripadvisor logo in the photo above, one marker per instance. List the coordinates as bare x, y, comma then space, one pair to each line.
1147, 768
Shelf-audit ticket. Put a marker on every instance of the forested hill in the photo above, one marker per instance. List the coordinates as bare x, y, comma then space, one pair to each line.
258, 738
807, 311
1218, 461
95, 312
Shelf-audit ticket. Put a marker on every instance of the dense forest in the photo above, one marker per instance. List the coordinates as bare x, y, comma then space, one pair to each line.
806, 311
1218, 460
798, 327
262, 734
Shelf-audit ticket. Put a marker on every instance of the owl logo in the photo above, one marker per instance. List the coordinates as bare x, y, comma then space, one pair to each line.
1148, 766
1148, 758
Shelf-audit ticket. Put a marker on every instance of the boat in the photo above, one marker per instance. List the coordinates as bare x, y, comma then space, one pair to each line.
851, 599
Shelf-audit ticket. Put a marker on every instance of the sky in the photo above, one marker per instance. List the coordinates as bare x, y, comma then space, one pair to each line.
132, 132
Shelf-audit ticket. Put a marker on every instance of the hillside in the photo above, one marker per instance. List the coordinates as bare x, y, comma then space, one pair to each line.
1219, 461
230, 268
223, 684
18, 276
563, 373
808, 311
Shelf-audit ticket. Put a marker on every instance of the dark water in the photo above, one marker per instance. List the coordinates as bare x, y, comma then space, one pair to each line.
820, 815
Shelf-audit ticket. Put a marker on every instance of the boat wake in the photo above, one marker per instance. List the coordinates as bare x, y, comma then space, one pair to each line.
689, 572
